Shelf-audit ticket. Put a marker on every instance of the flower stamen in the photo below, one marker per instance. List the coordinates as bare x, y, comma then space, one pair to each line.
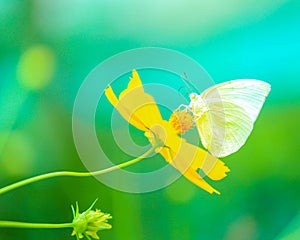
182, 120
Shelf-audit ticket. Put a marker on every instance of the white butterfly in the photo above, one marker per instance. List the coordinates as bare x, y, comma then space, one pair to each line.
225, 113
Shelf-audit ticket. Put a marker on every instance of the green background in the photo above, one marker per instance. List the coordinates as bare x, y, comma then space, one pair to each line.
67, 39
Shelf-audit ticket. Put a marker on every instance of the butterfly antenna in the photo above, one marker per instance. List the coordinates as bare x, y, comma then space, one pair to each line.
187, 86
186, 90
188, 83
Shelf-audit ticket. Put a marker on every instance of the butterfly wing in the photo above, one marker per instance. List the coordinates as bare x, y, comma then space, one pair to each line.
232, 110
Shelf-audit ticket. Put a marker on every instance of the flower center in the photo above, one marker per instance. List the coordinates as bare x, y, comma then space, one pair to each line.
182, 121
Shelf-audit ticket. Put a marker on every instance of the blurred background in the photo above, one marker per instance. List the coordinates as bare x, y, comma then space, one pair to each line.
47, 48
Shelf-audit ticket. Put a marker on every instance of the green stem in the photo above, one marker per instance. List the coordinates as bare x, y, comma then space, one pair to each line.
75, 174
11, 224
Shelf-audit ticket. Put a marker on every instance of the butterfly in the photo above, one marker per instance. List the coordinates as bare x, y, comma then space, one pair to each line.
225, 113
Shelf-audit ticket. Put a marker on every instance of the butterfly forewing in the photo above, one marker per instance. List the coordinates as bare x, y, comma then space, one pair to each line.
232, 110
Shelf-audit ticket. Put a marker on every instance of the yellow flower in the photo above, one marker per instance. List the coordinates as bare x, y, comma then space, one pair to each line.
140, 110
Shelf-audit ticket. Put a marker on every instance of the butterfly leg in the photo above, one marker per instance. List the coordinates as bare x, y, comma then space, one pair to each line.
183, 107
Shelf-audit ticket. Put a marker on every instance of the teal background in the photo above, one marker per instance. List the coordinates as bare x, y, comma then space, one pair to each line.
230, 39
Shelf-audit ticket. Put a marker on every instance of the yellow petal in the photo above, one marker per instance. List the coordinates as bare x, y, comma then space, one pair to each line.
134, 82
188, 158
110, 95
135, 106
123, 110
213, 167
191, 175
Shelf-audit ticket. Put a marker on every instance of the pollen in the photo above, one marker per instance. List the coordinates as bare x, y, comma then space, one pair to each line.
182, 121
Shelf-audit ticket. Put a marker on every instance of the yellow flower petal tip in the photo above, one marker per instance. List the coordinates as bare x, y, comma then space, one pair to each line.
112, 98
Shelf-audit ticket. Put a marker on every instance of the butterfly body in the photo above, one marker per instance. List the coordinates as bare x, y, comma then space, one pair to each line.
197, 105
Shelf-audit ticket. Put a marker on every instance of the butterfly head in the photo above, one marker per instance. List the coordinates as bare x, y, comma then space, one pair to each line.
193, 96
197, 105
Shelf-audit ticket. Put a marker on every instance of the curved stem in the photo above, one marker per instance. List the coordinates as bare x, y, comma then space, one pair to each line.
11, 224
75, 174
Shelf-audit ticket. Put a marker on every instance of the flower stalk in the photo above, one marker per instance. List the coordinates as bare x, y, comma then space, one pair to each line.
85, 224
77, 174
14, 224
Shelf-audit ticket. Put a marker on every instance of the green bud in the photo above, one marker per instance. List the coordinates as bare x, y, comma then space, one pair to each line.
88, 223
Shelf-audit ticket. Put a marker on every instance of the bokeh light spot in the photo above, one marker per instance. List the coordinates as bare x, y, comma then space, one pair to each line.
17, 154
180, 191
244, 226
36, 67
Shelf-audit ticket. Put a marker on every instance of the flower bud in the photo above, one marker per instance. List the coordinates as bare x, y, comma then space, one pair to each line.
87, 224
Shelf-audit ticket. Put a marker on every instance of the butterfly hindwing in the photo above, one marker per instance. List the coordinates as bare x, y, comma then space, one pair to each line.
232, 110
